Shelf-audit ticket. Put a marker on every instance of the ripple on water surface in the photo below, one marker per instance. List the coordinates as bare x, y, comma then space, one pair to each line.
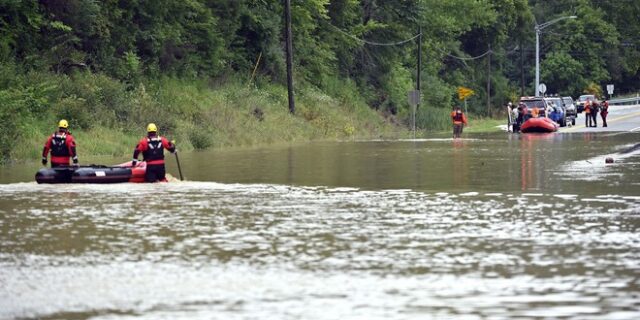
232, 251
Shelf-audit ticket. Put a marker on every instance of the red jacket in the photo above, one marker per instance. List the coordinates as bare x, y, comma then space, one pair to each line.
458, 117
152, 148
62, 146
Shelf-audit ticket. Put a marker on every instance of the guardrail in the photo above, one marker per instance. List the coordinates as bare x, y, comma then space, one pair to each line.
632, 100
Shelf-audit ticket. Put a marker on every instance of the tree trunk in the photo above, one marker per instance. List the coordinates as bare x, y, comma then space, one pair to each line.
288, 35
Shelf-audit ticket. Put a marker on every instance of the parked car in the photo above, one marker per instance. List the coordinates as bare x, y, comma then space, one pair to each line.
557, 113
535, 102
570, 110
582, 99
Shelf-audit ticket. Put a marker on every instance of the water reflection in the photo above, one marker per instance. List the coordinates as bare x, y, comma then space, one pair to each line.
460, 170
518, 226
532, 165
262, 250
504, 163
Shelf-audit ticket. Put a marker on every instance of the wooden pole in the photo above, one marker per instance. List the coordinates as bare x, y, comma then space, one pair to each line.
419, 63
289, 45
521, 69
253, 74
489, 83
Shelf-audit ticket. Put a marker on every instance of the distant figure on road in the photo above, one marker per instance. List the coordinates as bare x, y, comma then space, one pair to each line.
549, 109
62, 146
515, 118
535, 112
587, 113
459, 121
523, 113
594, 112
604, 112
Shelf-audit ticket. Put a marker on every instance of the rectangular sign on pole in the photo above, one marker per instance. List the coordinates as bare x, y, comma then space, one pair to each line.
464, 93
610, 89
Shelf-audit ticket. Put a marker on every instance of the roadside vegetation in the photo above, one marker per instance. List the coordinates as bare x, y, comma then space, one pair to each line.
108, 116
212, 73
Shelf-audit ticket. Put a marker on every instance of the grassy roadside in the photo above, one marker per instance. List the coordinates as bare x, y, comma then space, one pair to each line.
484, 125
108, 117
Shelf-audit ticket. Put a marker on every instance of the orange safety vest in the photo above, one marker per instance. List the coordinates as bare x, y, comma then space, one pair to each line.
535, 112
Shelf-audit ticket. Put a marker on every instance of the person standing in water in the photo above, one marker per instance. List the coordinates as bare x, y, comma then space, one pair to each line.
587, 114
604, 112
152, 148
459, 121
62, 146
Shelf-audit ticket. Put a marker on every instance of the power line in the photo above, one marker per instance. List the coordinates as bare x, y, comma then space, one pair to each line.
372, 43
622, 40
397, 43
516, 48
488, 52
402, 42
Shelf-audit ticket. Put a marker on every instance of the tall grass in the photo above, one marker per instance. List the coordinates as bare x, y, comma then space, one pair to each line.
433, 119
108, 116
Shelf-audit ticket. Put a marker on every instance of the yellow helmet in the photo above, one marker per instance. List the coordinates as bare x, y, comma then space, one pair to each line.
152, 127
63, 124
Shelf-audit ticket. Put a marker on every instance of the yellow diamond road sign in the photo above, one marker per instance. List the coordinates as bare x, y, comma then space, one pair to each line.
463, 93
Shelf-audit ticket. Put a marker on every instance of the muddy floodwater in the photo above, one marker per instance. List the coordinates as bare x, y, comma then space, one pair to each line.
487, 227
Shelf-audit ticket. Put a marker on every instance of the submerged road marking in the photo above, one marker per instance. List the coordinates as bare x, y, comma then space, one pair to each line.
576, 127
635, 114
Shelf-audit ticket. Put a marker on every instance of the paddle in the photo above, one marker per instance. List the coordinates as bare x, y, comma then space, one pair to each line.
178, 162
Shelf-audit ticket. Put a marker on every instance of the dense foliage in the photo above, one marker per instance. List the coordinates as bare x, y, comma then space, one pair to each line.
486, 45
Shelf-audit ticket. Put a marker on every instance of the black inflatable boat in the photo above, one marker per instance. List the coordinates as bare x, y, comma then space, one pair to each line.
93, 174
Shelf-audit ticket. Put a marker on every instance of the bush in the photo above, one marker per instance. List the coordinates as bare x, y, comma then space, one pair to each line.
13, 115
74, 109
595, 89
200, 139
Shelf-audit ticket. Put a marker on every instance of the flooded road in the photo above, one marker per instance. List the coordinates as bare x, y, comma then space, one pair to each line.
621, 118
492, 226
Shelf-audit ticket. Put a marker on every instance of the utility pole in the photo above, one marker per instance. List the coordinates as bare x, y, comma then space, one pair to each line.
289, 45
537, 84
419, 62
538, 29
521, 69
489, 82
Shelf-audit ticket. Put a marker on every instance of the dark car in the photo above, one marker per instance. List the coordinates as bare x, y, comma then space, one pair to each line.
582, 99
570, 110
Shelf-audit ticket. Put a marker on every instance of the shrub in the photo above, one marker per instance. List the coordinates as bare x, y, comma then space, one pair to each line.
12, 115
200, 139
595, 89
74, 109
